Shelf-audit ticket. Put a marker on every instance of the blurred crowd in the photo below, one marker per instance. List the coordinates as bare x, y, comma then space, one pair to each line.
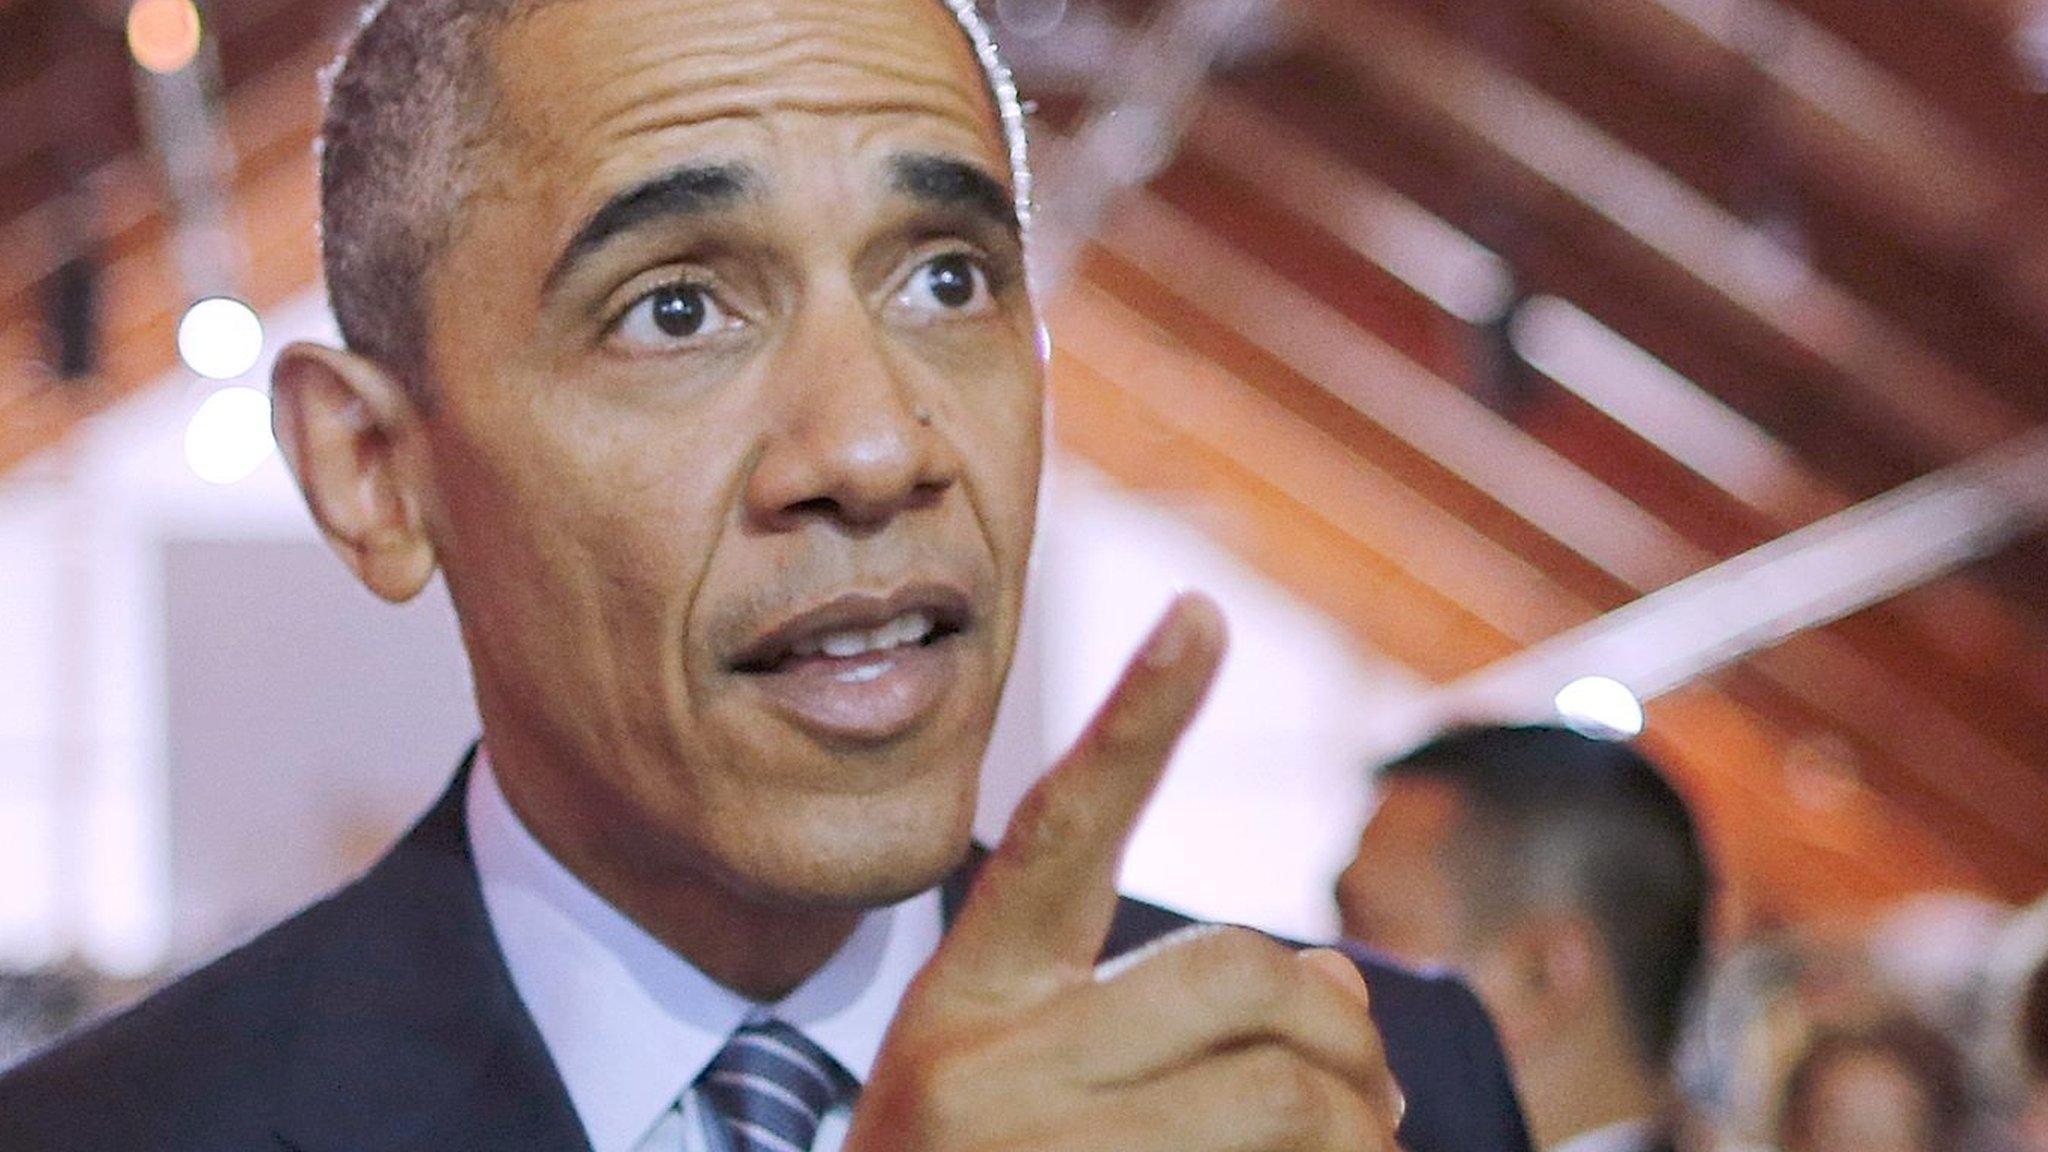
1564, 878
1926, 1029
37, 1007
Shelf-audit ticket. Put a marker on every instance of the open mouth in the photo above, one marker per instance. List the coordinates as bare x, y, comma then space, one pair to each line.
856, 628
863, 667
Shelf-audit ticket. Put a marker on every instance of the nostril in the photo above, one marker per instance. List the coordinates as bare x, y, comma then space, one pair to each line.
815, 506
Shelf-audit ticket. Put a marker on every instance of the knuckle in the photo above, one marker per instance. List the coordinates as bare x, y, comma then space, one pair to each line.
1120, 732
1048, 819
1282, 1084
1287, 1101
1243, 973
947, 1086
928, 1095
949, 1109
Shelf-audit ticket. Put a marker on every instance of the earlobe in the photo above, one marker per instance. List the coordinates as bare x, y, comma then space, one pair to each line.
349, 432
1540, 977
1564, 964
1572, 960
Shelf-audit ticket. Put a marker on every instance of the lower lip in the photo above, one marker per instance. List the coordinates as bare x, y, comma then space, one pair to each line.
870, 698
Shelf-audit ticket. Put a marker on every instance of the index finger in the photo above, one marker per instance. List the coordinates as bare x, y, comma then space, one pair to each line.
1043, 901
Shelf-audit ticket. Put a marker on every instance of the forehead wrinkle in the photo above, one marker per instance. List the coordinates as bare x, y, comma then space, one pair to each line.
837, 90
759, 185
735, 63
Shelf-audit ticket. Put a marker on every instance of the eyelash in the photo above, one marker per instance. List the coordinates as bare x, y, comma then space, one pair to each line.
995, 275
998, 272
714, 304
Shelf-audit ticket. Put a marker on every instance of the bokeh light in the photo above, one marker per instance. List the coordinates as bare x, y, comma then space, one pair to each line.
163, 35
229, 436
1031, 19
220, 337
1600, 706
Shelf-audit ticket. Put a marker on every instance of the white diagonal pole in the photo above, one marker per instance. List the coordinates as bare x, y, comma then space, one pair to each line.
1829, 569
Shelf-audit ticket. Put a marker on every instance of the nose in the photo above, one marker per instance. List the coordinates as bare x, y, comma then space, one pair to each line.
853, 441
1347, 893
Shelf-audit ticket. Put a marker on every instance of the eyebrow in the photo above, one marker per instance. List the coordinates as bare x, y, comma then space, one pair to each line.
944, 181
693, 190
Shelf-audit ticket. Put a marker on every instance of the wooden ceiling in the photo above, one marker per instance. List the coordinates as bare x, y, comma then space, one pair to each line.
1232, 341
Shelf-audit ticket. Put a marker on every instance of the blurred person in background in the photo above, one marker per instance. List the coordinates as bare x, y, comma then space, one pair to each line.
2033, 1044
2014, 1053
1890, 1085
37, 1007
1565, 877
1932, 952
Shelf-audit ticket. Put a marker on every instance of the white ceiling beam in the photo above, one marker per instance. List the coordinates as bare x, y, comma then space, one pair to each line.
1543, 143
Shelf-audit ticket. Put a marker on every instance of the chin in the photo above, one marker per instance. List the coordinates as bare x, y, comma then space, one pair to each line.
857, 855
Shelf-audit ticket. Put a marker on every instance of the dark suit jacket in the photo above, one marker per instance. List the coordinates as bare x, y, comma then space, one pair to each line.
382, 1019
1661, 1142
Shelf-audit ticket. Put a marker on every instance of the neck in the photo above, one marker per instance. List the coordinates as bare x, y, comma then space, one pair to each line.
1585, 1085
759, 951
758, 948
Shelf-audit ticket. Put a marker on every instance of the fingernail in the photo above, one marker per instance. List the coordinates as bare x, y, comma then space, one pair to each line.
1169, 639
1338, 968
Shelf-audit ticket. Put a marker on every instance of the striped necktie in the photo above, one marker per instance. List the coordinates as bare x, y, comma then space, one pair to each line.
770, 1086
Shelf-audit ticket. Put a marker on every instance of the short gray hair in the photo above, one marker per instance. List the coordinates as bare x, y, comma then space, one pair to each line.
408, 102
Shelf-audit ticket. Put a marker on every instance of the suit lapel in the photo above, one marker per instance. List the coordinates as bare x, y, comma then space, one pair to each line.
953, 890
408, 1034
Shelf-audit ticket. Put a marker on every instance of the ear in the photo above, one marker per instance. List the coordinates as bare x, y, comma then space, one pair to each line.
1545, 972
349, 432
1564, 953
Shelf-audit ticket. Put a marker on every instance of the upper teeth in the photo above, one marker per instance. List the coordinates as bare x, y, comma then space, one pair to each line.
909, 628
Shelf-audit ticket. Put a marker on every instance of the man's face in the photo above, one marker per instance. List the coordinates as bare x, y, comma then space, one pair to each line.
2034, 1118
1398, 894
1865, 1102
736, 436
1402, 893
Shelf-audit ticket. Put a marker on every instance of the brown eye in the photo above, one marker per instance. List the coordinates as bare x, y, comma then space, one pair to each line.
951, 279
671, 316
679, 309
953, 282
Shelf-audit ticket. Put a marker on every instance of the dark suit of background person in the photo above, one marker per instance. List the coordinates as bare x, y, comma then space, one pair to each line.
1565, 878
382, 1020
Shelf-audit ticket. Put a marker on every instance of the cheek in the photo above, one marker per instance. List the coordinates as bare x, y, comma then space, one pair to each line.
2034, 1124
1005, 454
634, 516
607, 513
649, 512
1506, 996
1014, 493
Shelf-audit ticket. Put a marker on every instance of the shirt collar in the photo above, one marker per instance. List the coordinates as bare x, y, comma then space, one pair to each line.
628, 1022
1622, 1136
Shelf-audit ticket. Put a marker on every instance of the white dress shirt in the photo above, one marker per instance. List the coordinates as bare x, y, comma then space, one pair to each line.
1622, 1136
630, 1024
